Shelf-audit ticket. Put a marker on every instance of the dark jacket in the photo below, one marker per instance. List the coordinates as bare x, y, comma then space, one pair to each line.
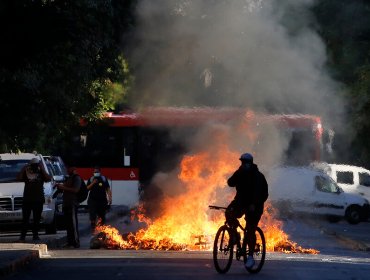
251, 186
34, 184
98, 192
70, 198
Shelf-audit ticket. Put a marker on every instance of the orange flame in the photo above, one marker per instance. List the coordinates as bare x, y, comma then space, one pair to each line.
186, 222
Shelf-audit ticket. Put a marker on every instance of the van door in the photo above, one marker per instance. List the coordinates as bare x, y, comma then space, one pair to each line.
327, 198
364, 184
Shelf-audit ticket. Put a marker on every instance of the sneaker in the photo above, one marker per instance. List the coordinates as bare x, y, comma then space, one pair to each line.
250, 262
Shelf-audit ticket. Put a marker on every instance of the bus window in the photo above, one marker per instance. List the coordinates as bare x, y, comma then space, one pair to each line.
103, 146
301, 148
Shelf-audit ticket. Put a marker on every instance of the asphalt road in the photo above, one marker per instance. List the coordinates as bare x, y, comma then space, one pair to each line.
150, 265
338, 259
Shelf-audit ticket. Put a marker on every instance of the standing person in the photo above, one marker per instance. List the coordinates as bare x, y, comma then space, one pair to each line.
70, 205
251, 193
33, 175
100, 197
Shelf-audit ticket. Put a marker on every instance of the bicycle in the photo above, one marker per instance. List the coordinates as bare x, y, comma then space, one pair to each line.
227, 237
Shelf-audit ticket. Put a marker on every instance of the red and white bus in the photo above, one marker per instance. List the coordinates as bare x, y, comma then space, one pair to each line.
131, 147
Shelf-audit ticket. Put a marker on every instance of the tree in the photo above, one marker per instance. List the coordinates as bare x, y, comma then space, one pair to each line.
345, 28
59, 61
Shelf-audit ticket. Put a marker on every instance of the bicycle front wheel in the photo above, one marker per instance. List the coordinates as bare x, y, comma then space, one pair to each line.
259, 252
223, 249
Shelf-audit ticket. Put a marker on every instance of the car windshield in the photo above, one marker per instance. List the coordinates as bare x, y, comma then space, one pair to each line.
9, 170
326, 185
55, 166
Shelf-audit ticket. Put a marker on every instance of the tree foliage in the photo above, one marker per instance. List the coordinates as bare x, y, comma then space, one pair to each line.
59, 60
345, 28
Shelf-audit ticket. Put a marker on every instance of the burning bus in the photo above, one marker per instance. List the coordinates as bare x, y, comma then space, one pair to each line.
132, 147
182, 157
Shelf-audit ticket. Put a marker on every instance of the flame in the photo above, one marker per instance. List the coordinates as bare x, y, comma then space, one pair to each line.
186, 222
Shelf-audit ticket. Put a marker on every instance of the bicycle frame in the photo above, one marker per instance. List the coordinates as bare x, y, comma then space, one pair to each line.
234, 239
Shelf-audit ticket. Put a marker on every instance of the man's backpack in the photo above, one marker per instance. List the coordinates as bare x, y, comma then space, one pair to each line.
262, 187
83, 192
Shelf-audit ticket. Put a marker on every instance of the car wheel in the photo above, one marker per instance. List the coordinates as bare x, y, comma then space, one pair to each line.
353, 214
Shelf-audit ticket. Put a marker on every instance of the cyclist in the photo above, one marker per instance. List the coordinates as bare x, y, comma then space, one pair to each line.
251, 193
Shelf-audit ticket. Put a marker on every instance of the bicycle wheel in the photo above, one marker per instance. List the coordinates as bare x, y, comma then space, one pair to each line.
259, 253
223, 249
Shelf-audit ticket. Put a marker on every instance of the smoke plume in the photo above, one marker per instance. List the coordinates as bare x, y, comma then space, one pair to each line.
262, 55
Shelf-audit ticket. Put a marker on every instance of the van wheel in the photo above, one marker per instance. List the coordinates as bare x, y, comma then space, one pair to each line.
353, 214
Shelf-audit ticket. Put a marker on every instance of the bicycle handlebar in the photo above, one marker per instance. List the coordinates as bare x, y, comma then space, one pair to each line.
216, 207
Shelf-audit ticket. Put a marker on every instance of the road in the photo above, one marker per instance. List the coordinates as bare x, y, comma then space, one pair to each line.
337, 260
104, 264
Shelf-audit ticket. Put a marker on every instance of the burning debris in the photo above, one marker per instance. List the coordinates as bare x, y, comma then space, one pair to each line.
186, 222
109, 237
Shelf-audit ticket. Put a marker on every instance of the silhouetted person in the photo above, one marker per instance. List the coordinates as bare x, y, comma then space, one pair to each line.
70, 206
33, 175
251, 193
100, 197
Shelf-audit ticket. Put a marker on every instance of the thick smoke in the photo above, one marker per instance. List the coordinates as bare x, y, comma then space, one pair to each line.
261, 55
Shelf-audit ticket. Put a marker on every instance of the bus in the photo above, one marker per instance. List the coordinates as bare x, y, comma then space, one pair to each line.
131, 147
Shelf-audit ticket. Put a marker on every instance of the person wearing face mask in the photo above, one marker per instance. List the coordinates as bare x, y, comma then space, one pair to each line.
251, 193
100, 197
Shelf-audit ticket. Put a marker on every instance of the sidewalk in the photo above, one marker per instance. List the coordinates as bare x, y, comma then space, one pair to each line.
15, 256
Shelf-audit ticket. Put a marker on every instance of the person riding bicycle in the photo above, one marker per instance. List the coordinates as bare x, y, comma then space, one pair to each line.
251, 193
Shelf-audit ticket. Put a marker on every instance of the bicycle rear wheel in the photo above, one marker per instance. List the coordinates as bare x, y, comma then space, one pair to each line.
259, 253
223, 249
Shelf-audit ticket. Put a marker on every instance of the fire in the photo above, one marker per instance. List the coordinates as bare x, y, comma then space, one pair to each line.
186, 222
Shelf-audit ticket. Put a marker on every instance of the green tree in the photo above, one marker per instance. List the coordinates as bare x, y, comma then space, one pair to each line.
345, 28
59, 61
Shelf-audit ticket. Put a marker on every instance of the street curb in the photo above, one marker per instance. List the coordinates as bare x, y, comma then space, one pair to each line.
42, 249
353, 244
349, 242
32, 252
36, 251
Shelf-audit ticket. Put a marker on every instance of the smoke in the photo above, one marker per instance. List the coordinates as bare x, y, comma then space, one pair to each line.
262, 55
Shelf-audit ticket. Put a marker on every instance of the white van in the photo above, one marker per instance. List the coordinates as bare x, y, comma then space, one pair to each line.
351, 179
11, 192
310, 191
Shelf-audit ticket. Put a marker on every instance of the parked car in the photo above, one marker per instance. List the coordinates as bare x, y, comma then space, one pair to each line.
310, 191
11, 192
352, 179
58, 170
